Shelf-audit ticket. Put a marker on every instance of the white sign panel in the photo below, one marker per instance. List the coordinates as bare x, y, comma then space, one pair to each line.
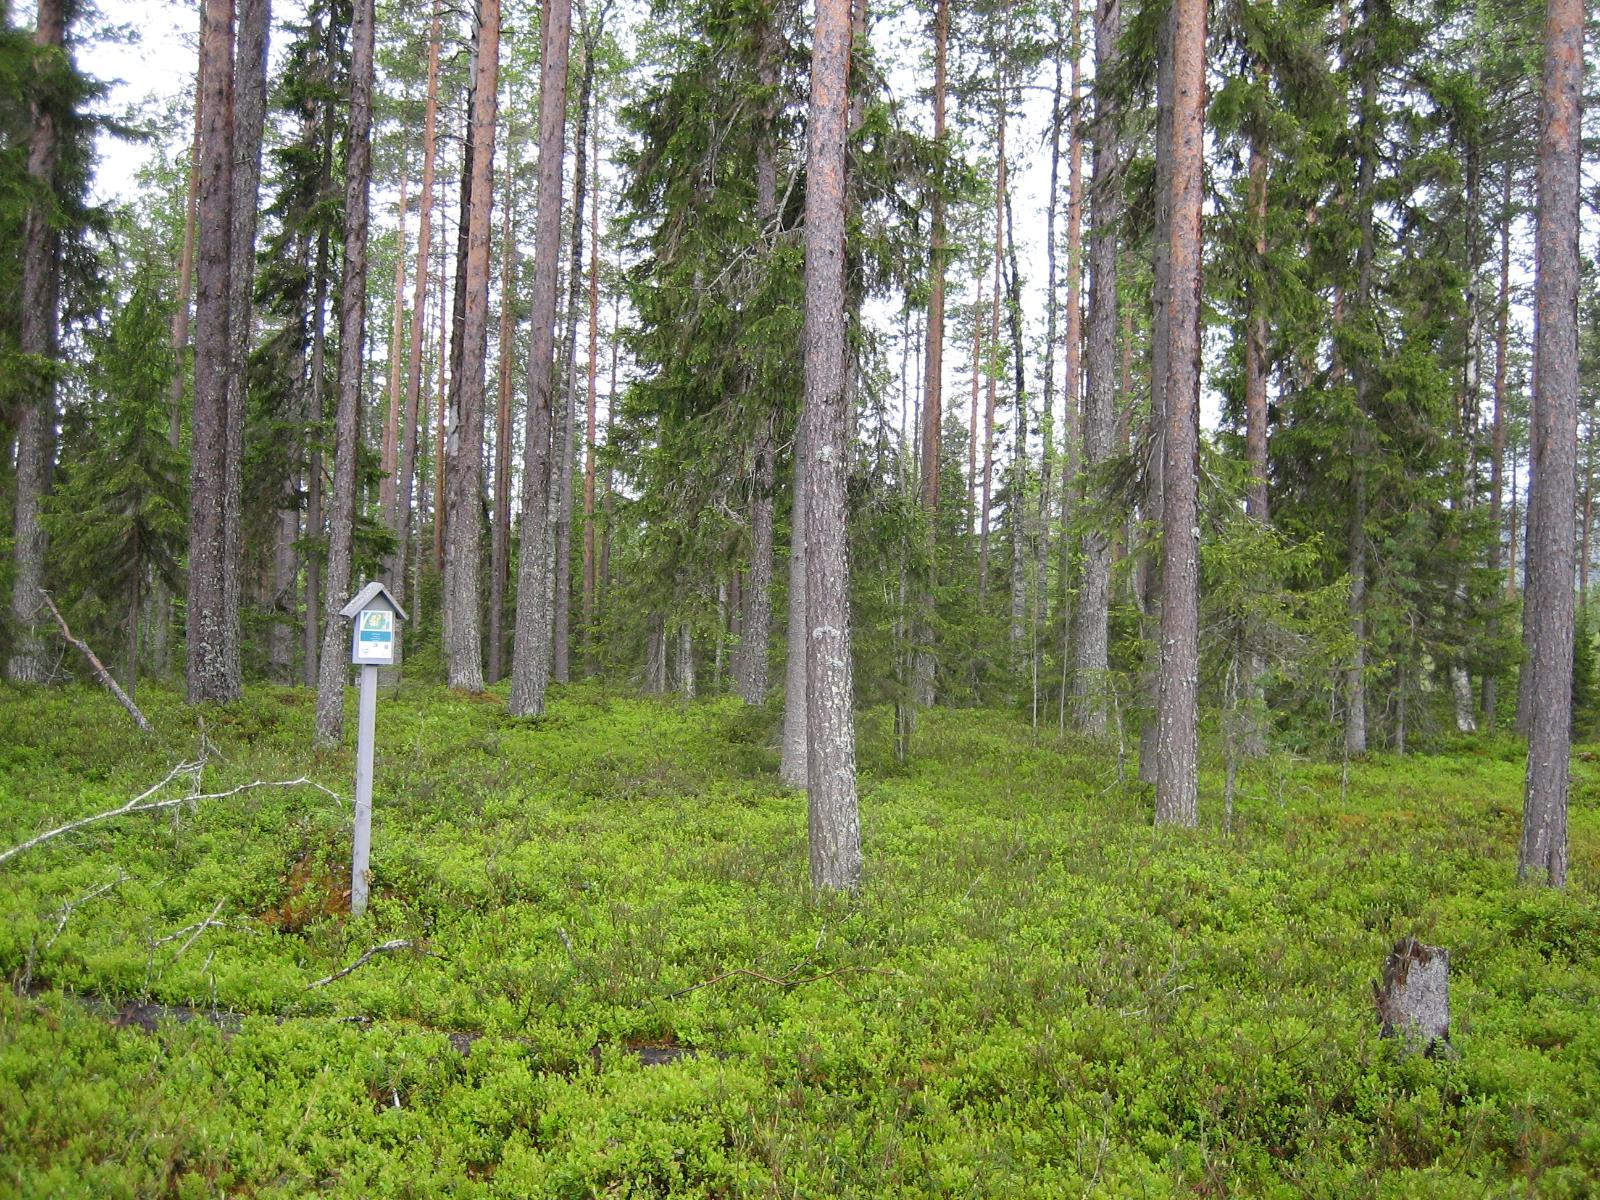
375, 636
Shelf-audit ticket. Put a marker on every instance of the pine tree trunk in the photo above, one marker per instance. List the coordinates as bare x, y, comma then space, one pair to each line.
464, 479
987, 486
1090, 662
1553, 462
209, 676
685, 661
390, 462
925, 663
1150, 566
334, 668
1072, 379
530, 656
833, 823
792, 768
249, 117
756, 631
562, 649
401, 520
1016, 515
1355, 734
589, 632
1047, 416
161, 597
1253, 741
311, 633
1497, 436
972, 416
1177, 712
500, 537
36, 337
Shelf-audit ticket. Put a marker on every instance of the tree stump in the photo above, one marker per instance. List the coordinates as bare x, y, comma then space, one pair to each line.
1413, 999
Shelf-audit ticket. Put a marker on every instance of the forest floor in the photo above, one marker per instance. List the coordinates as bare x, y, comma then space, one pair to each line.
618, 984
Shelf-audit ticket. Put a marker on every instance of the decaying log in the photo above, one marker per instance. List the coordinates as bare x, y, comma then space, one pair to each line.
1413, 999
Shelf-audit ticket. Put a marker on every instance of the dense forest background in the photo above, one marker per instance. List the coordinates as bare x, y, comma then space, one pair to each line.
515, 309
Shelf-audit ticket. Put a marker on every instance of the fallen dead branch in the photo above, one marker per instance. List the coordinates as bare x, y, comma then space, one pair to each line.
367, 956
783, 981
148, 801
99, 668
194, 931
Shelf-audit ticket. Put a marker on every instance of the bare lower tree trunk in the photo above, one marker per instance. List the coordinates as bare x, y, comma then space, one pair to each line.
209, 675
567, 437
464, 486
685, 661
1072, 379
757, 625
530, 658
311, 633
987, 485
390, 462
161, 597
1090, 663
1497, 453
1177, 713
833, 824
1252, 728
401, 519
792, 767
1150, 571
1553, 462
249, 117
655, 656
925, 663
500, 539
590, 413
36, 337
334, 668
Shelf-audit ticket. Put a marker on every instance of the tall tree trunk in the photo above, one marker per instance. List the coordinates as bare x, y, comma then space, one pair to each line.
161, 598
1355, 730
1047, 416
833, 824
1150, 567
334, 668
1252, 727
685, 660
751, 653
209, 675
464, 480
249, 118
567, 437
994, 348
793, 766
756, 628
531, 652
36, 337
1016, 515
1089, 614
311, 633
1177, 713
400, 520
926, 661
977, 376
1553, 461
590, 414
500, 537
390, 463
1497, 436
1072, 380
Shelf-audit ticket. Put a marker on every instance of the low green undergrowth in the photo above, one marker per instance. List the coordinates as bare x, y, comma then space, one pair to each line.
1035, 993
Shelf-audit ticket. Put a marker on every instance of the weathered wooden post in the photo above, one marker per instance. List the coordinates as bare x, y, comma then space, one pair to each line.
376, 615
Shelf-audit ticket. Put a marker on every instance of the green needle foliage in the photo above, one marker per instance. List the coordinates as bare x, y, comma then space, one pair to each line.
117, 518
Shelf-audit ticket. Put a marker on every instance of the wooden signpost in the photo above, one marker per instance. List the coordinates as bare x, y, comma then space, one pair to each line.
374, 643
